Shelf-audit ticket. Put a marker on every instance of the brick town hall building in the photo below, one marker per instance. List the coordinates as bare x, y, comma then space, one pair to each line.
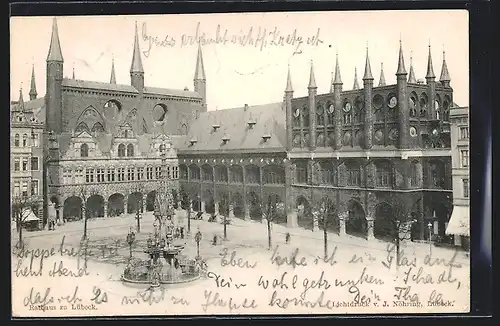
103, 139
355, 147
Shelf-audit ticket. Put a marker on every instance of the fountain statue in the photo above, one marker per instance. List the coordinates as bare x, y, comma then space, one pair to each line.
165, 264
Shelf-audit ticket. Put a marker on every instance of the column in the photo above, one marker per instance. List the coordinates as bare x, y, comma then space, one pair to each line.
125, 205
105, 208
246, 209
342, 221
216, 209
291, 218
202, 206
144, 201
369, 221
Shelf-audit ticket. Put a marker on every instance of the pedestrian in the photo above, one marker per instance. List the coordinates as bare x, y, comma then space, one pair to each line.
182, 232
287, 238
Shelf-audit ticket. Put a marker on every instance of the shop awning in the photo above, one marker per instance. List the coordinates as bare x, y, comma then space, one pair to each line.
459, 223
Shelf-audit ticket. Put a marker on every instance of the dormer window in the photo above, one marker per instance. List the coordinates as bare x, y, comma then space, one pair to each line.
266, 137
225, 139
215, 127
193, 141
251, 123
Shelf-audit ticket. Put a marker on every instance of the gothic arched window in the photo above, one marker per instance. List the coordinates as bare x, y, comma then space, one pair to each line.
84, 150
384, 174
414, 174
16, 140
130, 150
121, 150
25, 140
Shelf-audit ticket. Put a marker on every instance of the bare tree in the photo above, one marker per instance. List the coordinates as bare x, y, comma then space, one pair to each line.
83, 195
271, 213
399, 221
21, 208
323, 211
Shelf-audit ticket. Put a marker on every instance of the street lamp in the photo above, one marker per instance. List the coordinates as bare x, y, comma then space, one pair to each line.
197, 238
429, 226
130, 241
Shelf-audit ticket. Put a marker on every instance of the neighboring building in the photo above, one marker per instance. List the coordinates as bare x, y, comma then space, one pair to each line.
103, 139
354, 147
459, 225
26, 173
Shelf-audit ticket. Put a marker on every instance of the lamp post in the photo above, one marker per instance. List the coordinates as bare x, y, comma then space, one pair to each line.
190, 204
197, 238
429, 226
130, 241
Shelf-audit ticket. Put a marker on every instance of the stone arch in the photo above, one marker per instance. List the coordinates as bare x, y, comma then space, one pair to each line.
356, 223
273, 174
90, 116
252, 174
221, 173
207, 172
116, 205
150, 201
254, 205
97, 128
208, 199
304, 213
84, 150
446, 107
130, 150
72, 208
82, 127
238, 205
424, 103
358, 107
95, 206
378, 104
134, 202
194, 172
413, 104
236, 173
121, 150
383, 224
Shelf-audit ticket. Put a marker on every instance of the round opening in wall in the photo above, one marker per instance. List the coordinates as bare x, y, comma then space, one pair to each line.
160, 113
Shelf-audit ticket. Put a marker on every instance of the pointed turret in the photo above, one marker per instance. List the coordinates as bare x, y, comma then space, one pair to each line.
136, 65
112, 79
33, 93
136, 69
445, 75
55, 53
199, 81
381, 82
20, 102
356, 85
401, 61
199, 73
289, 87
430, 69
73, 71
368, 68
411, 77
312, 79
338, 78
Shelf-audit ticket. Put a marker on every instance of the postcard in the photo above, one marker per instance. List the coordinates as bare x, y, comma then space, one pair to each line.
240, 164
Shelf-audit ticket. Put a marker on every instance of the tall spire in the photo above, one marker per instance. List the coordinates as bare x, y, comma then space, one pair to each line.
112, 79
136, 65
356, 85
368, 68
55, 53
312, 79
338, 78
411, 78
199, 73
20, 102
33, 93
289, 87
445, 75
430, 69
73, 70
401, 61
382, 77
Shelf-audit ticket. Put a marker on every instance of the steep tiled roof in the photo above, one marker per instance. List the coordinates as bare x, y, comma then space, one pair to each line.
126, 88
269, 120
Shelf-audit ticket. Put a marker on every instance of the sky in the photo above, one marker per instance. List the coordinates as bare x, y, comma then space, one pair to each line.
252, 70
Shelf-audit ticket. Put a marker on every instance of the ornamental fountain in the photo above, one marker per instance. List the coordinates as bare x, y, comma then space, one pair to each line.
164, 263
